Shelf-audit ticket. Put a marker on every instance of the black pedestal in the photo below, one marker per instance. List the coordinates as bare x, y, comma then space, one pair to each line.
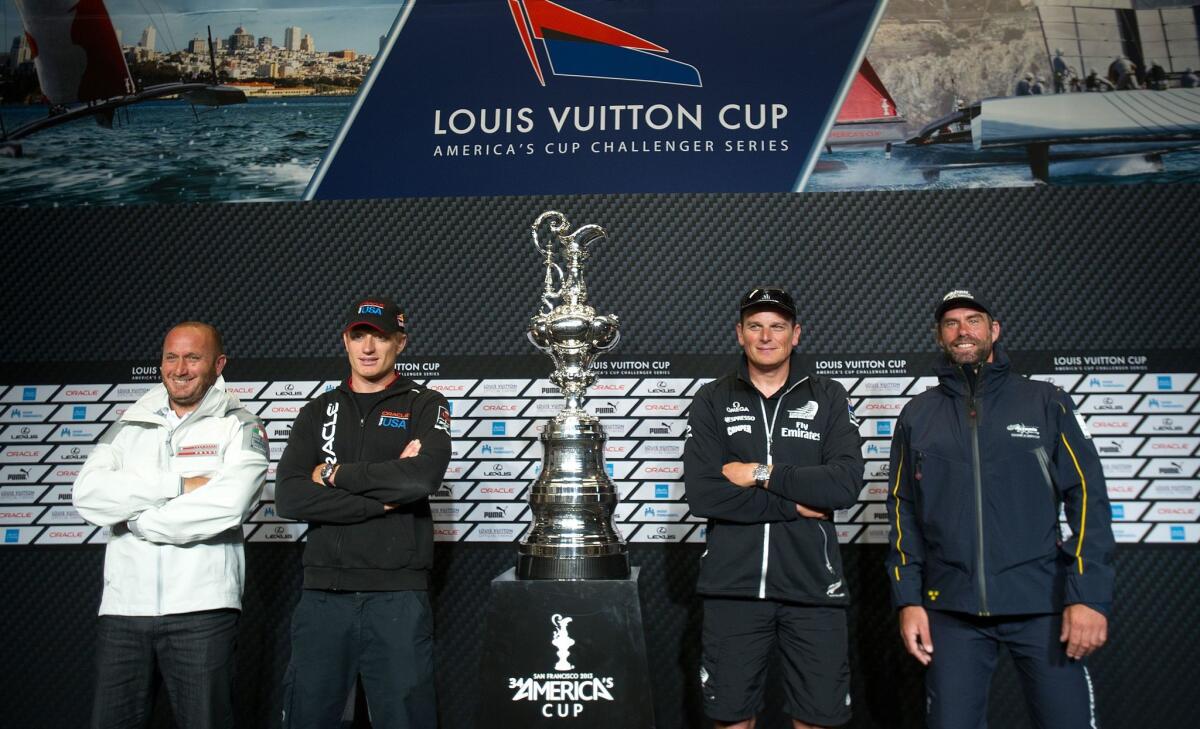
564, 654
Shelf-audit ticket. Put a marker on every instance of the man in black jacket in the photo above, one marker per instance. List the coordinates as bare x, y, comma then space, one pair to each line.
360, 464
771, 452
981, 465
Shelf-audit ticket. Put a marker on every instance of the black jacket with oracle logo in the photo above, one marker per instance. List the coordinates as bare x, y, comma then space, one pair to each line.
758, 545
354, 543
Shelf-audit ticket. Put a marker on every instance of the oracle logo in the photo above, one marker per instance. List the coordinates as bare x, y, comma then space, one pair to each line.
501, 408
609, 388
1188, 511
651, 407
56, 534
276, 409
1170, 447
75, 392
24, 454
881, 406
661, 469
508, 490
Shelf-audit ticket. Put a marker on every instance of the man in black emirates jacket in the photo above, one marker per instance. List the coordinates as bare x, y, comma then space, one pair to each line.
360, 464
981, 466
771, 452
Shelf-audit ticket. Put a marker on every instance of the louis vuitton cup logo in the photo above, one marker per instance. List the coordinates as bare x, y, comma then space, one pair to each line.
562, 641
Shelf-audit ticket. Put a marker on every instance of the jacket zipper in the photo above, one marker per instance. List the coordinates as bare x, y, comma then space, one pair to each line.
1043, 461
973, 423
770, 426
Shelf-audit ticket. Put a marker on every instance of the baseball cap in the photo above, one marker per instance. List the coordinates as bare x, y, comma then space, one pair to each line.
376, 312
959, 298
771, 296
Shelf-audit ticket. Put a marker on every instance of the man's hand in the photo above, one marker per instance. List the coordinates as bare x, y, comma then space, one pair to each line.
739, 474
808, 513
316, 474
191, 483
914, 631
1083, 630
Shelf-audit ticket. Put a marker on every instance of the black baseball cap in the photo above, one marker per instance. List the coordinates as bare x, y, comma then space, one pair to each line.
376, 312
959, 298
771, 296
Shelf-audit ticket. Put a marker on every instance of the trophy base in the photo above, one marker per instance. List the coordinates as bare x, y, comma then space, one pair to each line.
604, 567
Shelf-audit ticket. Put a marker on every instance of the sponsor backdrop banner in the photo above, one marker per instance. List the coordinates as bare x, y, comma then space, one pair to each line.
530, 96
1140, 407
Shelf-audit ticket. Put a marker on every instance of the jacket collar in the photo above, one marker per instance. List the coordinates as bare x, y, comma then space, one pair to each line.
991, 374
796, 372
152, 406
397, 386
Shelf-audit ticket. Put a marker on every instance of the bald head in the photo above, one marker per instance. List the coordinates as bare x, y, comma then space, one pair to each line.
193, 356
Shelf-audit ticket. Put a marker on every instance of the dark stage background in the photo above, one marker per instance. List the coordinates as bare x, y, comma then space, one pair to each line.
1066, 269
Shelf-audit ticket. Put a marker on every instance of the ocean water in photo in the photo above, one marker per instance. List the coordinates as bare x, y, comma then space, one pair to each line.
160, 152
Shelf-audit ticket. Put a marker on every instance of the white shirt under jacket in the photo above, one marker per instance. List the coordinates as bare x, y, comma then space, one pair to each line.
172, 552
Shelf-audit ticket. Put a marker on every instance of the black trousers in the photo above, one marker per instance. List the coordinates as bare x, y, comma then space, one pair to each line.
386, 637
192, 651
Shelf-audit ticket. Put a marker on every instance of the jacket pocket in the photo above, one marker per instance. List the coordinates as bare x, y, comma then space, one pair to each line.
943, 489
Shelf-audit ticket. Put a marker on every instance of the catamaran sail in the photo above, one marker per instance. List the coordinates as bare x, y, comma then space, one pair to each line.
75, 50
868, 115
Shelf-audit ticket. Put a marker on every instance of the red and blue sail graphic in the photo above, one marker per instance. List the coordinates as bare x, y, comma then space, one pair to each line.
576, 45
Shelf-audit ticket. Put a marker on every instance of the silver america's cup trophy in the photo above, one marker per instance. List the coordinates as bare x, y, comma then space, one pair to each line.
572, 537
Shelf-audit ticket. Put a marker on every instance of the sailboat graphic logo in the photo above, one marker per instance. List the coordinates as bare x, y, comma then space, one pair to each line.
576, 45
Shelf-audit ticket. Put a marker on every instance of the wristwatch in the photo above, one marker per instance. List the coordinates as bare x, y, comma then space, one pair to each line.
762, 473
327, 474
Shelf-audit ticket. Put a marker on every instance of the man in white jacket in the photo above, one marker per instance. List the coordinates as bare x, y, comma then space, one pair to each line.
173, 478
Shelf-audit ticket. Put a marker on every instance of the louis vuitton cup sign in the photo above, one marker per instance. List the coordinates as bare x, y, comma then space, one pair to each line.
586, 96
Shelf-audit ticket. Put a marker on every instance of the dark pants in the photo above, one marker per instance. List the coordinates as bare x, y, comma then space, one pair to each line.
192, 651
738, 638
1058, 689
386, 637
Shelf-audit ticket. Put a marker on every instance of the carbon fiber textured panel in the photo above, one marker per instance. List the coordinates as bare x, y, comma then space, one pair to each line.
1064, 267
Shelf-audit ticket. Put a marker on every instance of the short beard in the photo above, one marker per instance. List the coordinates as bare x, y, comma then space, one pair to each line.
977, 355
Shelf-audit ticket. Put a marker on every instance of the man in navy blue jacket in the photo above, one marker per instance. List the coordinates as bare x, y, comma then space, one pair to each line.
981, 466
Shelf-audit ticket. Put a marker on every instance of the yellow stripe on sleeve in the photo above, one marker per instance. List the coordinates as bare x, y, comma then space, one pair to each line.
899, 532
1083, 512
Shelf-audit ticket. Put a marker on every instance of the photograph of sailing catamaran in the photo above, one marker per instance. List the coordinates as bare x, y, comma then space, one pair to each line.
153, 101
1019, 92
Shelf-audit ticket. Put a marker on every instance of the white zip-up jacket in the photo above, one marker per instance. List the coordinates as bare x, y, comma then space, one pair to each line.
172, 552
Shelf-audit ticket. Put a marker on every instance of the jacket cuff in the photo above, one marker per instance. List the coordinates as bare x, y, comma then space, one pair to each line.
169, 486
